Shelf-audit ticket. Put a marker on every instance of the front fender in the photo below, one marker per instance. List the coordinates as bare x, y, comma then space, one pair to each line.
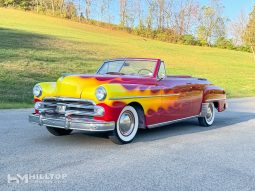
113, 107
48, 90
120, 95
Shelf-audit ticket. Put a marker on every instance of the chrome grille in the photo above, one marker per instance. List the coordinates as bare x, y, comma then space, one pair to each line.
65, 107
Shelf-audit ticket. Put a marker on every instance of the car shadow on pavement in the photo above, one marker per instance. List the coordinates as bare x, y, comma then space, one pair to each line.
222, 120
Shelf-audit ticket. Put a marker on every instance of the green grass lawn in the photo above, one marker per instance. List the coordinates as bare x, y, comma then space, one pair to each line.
36, 48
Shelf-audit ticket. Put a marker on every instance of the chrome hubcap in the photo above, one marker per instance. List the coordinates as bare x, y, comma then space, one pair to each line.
209, 114
126, 123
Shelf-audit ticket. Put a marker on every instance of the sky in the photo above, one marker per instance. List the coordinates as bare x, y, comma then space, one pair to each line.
234, 7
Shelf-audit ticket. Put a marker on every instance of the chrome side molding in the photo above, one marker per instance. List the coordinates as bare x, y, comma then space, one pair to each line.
171, 122
140, 97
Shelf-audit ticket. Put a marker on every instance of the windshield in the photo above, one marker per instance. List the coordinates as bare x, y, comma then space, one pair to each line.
128, 67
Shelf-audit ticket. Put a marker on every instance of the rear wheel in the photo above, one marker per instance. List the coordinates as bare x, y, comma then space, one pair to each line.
126, 126
58, 131
209, 117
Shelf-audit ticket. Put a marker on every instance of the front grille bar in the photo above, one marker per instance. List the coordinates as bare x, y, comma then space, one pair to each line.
80, 106
66, 99
72, 106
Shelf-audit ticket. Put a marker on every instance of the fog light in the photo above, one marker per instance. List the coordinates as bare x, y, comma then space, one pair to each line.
99, 111
38, 105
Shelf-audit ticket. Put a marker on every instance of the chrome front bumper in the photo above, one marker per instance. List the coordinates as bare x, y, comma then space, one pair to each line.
74, 124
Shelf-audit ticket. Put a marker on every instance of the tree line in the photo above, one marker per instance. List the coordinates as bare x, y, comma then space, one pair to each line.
175, 21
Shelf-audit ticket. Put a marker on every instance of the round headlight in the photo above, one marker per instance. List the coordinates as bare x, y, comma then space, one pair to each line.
100, 93
37, 90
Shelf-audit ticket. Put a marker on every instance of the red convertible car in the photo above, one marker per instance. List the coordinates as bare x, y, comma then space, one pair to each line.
124, 95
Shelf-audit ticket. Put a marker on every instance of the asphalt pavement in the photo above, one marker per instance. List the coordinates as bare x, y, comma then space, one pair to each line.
181, 156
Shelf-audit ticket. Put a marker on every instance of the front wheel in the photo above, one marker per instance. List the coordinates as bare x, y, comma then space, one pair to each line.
58, 131
209, 117
126, 127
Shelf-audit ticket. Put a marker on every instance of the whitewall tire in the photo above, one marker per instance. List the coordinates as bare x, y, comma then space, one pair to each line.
126, 126
208, 119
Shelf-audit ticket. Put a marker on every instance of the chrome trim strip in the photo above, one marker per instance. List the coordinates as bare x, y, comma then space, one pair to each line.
80, 106
170, 122
72, 112
68, 99
210, 100
126, 59
136, 59
169, 95
49, 104
47, 110
66, 123
139, 97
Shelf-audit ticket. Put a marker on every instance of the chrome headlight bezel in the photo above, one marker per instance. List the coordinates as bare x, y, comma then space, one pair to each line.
101, 93
37, 90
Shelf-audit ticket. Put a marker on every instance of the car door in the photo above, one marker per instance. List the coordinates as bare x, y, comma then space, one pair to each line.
196, 97
176, 96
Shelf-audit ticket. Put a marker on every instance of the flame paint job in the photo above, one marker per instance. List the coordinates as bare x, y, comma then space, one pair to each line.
171, 98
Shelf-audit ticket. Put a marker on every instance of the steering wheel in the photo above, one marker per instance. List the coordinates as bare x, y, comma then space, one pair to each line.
139, 71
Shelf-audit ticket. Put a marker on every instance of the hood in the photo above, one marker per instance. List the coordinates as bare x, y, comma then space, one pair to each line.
76, 85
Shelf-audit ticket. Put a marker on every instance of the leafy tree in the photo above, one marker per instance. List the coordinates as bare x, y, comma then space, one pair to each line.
188, 40
26, 4
1, 3
9, 2
224, 43
249, 36
237, 28
212, 23
123, 12
185, 16
70, 10
87, 9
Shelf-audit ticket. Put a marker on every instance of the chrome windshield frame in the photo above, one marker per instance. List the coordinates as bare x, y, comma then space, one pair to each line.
157, 61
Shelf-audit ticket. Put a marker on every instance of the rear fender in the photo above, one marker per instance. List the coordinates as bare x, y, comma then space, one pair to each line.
216, 95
